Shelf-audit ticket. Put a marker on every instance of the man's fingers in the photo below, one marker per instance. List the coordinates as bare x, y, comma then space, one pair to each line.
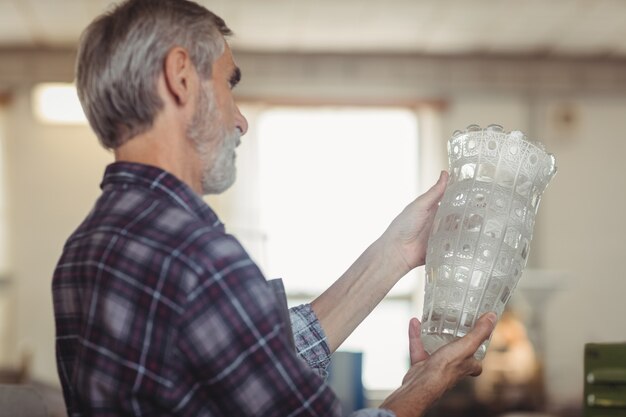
416, 348
482, 330
468, 344
477, 368
434, 194
485, 325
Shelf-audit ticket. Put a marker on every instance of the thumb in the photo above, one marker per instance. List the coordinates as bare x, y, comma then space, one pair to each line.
416, 348
435, 193
483, 328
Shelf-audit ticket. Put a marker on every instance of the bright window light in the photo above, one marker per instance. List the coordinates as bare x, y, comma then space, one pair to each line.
57, 103
331, 180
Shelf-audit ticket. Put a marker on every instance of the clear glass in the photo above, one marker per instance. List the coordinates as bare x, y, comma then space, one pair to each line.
481, 234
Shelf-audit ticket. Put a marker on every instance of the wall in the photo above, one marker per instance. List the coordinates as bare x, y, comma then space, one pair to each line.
3, 200
583, 229
5, 279
54, 174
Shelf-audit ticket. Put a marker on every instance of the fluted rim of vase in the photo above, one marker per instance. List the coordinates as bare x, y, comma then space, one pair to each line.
474, 129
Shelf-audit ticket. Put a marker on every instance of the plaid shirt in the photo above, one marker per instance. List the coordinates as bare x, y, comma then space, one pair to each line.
159, 312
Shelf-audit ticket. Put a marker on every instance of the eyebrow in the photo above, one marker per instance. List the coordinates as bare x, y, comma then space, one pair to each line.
235, 77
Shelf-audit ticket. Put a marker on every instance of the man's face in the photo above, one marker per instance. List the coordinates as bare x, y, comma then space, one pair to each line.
217, 126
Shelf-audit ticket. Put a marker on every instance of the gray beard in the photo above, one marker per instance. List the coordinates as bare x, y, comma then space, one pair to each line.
218, 166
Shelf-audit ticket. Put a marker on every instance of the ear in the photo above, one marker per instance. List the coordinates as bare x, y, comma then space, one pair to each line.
180, 75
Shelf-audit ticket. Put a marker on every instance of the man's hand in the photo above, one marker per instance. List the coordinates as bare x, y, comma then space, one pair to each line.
407, 235
430, 376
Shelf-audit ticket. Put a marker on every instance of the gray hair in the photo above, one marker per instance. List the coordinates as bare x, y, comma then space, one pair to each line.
122, 53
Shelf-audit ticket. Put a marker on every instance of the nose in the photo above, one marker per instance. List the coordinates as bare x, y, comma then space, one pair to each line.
240, 122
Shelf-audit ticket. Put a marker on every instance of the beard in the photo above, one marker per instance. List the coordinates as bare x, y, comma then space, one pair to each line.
214, 144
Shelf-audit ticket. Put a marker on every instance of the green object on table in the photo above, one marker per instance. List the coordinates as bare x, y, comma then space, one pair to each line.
605, 380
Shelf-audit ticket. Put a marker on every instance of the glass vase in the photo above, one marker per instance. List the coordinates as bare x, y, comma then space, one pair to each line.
480, 240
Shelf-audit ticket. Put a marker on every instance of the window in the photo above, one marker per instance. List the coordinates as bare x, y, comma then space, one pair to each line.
330, 180
57, 103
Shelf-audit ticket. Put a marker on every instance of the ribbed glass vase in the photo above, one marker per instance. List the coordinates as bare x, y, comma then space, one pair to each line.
481, 234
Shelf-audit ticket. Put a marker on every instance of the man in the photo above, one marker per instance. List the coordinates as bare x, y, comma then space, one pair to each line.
158, 311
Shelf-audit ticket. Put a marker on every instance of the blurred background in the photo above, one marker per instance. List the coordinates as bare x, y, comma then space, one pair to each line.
350, 104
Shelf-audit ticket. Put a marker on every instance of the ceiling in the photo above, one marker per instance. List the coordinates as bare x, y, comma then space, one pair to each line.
582, 28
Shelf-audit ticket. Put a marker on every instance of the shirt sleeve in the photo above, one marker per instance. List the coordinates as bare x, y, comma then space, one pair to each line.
312, 346
310, 339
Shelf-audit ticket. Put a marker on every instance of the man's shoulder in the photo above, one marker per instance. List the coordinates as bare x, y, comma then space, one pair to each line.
140, 213
156, 224
134, 220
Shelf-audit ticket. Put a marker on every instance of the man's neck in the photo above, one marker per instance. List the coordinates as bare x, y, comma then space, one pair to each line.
165, 149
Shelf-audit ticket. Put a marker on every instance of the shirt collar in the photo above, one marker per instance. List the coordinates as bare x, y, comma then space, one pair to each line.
131, 174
